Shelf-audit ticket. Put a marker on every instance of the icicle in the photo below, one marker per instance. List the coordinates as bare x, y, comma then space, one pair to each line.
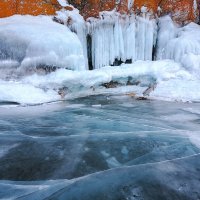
113, 36
80, 30
140, 38
129, 39
149, 37
130, 4
167, 31
77, 24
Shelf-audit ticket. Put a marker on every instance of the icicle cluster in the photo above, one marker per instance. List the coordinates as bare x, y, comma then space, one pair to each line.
121, 37
77, 24
81, 30
178, 43
113, 36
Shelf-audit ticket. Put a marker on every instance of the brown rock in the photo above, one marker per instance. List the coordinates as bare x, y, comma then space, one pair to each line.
111, 84
142, 98
44, 7
131, 94
150, 4
182, 11
7, 8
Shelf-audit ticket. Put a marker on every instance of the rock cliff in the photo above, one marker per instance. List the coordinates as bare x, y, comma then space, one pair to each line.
181, 11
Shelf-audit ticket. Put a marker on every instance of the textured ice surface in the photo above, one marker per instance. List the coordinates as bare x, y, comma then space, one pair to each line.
123, 149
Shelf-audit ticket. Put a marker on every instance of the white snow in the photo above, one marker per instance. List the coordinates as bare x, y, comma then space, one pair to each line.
25, 93
34, 41
63, 3
177, 90
191, 63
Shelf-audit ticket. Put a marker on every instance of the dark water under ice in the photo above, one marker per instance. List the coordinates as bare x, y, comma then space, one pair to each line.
100, 148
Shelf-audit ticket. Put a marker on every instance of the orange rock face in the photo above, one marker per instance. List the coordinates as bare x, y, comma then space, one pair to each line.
7, 8
180, 10
45, 7
150, 4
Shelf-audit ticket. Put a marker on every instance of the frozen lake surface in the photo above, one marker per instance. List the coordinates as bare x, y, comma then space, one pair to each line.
100, 148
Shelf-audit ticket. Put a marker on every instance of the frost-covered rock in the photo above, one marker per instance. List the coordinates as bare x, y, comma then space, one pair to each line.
31, 41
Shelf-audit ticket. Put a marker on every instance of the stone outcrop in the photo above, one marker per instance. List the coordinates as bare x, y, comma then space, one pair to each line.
181, 10
45, 7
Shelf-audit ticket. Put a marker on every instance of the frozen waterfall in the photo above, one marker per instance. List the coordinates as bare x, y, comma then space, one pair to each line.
122, 38
112, 36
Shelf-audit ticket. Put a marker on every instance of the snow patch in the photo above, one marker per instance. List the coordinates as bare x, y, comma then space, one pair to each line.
25, 93
63, 3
